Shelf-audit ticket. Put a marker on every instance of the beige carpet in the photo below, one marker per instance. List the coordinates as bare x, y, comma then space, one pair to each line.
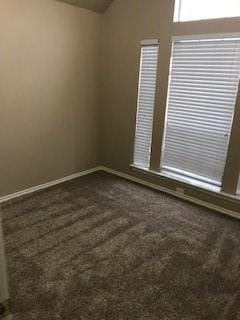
102, 248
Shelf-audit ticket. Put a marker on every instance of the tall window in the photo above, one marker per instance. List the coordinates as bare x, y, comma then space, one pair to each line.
146, 101
203, 86
187, 10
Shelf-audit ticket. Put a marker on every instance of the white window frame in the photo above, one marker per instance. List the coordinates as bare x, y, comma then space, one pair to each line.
176, 176
144, 43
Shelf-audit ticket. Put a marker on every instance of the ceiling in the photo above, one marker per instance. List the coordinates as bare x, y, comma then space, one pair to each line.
94, 5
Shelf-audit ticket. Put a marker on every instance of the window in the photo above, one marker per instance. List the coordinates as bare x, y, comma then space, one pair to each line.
187, 10
146, 100
203, 86
238, 188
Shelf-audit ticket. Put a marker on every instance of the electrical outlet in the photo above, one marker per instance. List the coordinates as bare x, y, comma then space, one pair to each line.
180, 190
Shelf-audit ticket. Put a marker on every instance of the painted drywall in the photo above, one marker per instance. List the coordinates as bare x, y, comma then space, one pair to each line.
95, 5
126, 23
49, 92
50, 89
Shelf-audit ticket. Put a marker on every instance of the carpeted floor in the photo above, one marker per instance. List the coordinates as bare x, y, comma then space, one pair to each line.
102, 248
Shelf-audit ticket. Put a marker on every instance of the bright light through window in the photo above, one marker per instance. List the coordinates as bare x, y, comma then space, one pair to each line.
189, 10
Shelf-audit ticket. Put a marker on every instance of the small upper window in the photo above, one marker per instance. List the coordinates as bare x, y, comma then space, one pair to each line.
189, 10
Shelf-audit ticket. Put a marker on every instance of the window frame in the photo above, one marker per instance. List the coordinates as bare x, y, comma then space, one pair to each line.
144, 43
232, 190
158, 129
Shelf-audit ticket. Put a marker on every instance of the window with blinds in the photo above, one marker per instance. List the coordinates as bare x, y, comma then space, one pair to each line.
203, 85
146, 101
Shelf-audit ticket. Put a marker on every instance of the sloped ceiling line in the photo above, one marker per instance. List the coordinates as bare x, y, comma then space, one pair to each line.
94, 5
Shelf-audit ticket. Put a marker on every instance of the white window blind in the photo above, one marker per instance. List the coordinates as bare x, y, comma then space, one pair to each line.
146, 100
203, 86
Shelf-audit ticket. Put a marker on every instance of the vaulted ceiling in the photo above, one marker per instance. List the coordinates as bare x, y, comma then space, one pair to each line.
95, 5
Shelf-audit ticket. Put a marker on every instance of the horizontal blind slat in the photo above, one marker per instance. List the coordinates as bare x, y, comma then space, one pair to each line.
145, 106
201, 100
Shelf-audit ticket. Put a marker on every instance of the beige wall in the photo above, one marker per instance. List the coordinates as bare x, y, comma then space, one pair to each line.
49, 91
50, 87
126, 23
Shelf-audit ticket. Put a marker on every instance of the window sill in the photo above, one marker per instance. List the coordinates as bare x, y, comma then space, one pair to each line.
188, 181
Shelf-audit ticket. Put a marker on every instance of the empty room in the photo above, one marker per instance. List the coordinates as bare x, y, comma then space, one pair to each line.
120, 160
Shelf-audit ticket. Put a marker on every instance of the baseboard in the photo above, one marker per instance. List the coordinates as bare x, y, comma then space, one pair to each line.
172, 192
47, 185
125, 176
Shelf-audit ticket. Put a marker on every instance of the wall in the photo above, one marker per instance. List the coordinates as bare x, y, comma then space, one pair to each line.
126, 23
49, 91
95, 5
50, 87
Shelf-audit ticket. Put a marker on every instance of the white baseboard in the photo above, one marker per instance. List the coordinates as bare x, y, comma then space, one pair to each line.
125, 176
47, 185
172, 192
